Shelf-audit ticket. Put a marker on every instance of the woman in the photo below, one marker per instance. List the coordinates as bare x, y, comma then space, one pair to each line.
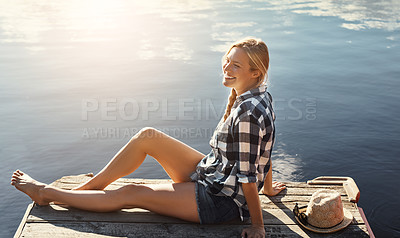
218, 187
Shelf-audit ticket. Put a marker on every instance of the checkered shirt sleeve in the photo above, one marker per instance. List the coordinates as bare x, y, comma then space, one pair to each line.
247, 137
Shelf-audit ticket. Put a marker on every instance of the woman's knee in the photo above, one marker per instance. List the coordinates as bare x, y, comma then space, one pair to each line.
146, 138
132, 194
147, 133
126, 190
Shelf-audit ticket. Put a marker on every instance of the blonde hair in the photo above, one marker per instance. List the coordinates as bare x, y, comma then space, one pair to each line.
258, 54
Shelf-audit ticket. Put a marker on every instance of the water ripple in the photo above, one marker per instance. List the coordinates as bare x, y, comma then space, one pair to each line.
358, 15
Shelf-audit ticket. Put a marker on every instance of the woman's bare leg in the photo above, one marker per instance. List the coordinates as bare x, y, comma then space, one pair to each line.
177, 200
177, 159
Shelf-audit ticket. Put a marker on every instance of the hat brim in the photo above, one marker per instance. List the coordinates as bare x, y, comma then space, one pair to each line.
347, 219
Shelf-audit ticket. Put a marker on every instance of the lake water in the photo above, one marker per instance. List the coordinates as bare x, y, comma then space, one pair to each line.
78, 78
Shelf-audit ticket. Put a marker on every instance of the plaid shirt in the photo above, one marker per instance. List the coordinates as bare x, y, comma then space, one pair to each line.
240, 148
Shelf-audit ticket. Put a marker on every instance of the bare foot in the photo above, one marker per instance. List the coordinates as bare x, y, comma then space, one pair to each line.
29, 186
276, 188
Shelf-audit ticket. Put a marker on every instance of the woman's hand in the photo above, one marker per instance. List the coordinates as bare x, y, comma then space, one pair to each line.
253, 232
276, 188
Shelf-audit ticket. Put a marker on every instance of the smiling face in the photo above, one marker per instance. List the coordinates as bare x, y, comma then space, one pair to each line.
237, 71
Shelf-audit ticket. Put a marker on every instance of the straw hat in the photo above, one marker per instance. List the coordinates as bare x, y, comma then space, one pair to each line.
324, 213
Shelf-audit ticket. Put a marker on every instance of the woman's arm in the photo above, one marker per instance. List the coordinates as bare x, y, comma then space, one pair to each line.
253, 202
271, 188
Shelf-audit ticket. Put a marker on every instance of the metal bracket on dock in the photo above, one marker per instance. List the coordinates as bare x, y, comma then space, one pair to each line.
348, 183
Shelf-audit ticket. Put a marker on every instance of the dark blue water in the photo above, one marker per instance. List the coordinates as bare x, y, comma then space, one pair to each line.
78, 78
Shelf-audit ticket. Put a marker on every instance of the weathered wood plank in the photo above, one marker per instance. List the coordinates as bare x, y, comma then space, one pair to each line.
23, 221
294, 199
289, 202
102, 229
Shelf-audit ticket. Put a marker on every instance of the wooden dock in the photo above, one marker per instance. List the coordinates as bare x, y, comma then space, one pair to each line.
60, 221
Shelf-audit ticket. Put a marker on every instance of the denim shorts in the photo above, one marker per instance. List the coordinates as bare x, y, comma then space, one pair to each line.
215, 209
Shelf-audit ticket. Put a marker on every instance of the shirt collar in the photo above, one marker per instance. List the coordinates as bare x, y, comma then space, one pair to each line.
252, 92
